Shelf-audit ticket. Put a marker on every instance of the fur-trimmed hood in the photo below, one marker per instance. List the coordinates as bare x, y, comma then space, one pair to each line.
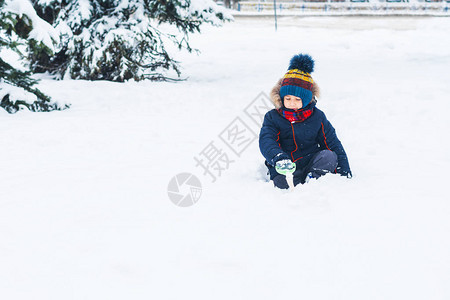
275, 94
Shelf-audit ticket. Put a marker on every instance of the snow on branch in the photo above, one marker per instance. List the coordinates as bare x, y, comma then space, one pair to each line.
42, 31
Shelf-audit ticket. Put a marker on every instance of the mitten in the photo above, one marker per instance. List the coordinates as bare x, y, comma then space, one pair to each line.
285, 166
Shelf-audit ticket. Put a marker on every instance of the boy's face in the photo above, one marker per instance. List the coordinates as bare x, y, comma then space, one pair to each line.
292, 102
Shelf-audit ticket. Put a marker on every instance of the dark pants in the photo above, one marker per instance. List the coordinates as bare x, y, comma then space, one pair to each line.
321, 163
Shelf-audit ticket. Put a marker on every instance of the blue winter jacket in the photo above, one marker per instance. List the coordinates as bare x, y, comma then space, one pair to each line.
281, 139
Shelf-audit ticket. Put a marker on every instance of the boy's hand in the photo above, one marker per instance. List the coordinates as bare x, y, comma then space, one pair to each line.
285, 166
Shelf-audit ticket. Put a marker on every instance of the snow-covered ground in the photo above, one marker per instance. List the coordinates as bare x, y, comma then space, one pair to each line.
84, 208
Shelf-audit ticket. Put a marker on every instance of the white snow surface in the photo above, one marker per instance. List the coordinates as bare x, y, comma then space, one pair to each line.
84, 209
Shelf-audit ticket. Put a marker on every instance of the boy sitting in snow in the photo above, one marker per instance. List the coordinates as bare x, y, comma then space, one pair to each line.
296, 136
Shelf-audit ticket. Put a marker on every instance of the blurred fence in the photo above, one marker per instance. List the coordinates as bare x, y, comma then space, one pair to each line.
376, 7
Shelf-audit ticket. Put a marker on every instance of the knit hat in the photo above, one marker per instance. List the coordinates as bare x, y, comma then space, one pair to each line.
298, 81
